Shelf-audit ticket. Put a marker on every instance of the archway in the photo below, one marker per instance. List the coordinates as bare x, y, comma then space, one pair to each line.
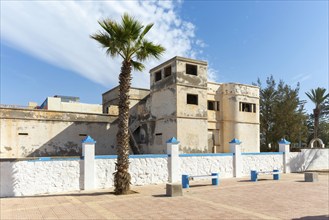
318, 140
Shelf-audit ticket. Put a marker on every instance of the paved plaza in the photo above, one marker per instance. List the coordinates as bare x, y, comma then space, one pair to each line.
288, 198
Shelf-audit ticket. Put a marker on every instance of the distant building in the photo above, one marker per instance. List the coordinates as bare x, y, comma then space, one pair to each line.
204, 116
69, 104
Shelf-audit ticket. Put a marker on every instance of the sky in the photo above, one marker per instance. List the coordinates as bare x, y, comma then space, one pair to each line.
46, 48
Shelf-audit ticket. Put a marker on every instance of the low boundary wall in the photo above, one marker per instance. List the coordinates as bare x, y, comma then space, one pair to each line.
57, 175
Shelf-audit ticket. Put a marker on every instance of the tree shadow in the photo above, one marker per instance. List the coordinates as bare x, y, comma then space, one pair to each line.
304, 160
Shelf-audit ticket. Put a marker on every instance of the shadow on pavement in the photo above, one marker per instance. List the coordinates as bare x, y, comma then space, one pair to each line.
318, 217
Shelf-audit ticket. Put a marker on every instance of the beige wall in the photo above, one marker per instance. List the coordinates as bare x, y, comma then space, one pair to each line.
237, 124
55, 104
26, 133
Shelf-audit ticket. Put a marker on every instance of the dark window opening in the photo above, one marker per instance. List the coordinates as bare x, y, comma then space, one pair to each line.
192, 69
167, 71
23, 134
83, 135
211, 105
247, 107
192, 99
158, 76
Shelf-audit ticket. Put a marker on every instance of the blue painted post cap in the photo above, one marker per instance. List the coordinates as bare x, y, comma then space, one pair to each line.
235, 141
284, 141
89, 139
172, 140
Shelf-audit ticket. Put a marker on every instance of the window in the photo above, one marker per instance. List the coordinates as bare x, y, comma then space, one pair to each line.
213, 105
23, 134
192, 99
247, 107
167, 71
158, 76
192, 69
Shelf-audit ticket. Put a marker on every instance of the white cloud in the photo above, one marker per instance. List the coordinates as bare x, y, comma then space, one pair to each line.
301, 77
212, 74
58, 33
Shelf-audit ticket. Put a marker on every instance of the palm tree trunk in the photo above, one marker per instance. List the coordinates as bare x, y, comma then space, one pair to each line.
316, 113
122, 176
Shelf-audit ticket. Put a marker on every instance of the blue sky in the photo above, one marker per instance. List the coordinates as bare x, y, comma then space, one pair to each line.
46, 49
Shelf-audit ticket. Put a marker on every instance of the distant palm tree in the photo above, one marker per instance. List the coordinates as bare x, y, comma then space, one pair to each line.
125, 39
318, 97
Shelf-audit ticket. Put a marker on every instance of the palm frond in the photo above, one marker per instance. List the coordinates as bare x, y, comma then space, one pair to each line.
137, 65
148, 49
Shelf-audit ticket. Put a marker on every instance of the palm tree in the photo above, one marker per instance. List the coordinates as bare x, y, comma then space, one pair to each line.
318, 97
125, 39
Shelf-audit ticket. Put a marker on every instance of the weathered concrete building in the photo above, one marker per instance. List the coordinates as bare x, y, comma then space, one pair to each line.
204, 116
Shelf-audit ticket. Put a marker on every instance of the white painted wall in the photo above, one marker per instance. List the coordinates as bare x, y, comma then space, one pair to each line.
25, 178
309, 159
205, 165
261, 162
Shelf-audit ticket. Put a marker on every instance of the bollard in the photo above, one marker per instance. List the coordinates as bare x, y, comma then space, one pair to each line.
215, 180
276, 176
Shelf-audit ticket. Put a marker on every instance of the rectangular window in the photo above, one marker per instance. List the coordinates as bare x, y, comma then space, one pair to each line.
158, 76
213, 105
247, 107
167, 71
192, 69
192, 99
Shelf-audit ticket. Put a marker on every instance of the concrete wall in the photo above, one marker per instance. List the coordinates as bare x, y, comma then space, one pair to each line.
111, 97
23, 178
40, 133
309, 159
55, 104
205, 164
261, 162
236, 123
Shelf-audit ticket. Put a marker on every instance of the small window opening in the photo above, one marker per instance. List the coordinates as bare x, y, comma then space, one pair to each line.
247, 107
192, 69
192, 99
211, 105
158, 76
23, 134
83, 135
167, 71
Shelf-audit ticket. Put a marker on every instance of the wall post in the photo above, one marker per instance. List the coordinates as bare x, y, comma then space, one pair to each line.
173, 160
237, 158
174, 185
88, 154
284, 146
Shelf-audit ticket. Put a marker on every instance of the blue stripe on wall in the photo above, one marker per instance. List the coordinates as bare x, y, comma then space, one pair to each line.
263, 153
206, 155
